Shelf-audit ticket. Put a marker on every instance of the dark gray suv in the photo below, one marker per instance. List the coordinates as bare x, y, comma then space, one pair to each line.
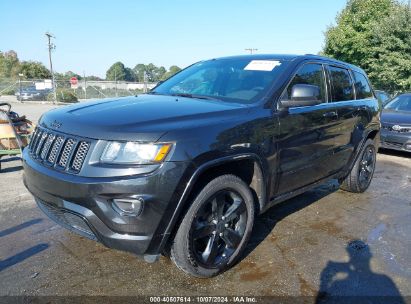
184, 169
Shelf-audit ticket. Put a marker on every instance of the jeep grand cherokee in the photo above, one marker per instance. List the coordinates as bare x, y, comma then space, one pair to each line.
185, 169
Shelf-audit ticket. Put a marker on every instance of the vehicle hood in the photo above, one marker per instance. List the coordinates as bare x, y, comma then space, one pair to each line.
395, 117
139, 118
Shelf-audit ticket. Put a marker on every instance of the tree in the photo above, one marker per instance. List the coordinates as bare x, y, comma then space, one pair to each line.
391, 71
139, 71
9, 65
375, 35
93, 78
171, 71
130, 76
34, 70
119, 72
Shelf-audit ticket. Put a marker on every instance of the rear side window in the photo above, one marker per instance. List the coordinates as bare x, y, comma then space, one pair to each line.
362, 87
311, 74
341, 86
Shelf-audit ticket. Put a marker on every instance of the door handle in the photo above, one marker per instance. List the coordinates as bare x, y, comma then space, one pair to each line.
332, 114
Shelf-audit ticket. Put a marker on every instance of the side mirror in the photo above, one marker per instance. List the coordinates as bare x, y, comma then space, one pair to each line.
303, 95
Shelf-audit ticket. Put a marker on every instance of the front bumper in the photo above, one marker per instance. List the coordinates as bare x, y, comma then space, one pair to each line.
84, 204
395, 140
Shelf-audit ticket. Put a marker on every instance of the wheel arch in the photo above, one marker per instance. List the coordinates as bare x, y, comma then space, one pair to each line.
240, 165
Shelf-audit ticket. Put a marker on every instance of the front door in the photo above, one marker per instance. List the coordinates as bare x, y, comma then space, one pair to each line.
307, 134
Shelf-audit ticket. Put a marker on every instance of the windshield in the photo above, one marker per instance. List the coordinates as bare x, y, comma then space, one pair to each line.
237, 80
400, 103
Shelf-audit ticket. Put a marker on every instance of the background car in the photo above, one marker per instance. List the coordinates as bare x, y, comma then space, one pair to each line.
396, 124
31, 93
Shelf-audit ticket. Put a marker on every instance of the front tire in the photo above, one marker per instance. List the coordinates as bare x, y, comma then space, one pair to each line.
362, 172
215, 229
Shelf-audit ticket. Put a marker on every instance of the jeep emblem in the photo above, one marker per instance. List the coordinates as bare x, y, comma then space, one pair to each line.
55, 124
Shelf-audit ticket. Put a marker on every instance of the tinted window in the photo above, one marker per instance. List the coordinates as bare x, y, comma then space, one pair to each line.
341, 87
362, 87
311, 74
238, 80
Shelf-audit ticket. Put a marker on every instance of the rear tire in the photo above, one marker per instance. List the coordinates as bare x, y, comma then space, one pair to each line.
215, 229
362, 172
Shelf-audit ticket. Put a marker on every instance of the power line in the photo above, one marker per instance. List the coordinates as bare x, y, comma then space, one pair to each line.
51, 46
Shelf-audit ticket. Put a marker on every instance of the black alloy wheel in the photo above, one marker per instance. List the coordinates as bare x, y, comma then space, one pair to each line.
216, 228
219, 228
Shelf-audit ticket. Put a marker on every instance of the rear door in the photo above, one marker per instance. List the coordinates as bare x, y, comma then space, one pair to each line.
306, 140
342, 95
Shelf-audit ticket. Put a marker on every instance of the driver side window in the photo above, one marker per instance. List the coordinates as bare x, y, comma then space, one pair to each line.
309, 74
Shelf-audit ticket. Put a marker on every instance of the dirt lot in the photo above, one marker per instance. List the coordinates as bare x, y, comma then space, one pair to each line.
325, 240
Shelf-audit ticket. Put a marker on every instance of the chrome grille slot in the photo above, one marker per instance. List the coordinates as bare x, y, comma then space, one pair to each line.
33, 138
36, 141
47, 145
65, 154
58, 151
40, 143
55, 149
80, 155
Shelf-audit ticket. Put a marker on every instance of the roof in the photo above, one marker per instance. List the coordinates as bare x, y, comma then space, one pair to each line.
285, 57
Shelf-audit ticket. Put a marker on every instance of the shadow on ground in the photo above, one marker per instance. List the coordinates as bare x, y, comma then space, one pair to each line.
345, 282
9, 169
25, 254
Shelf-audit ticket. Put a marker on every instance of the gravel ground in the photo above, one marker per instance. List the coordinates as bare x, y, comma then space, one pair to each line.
323, 242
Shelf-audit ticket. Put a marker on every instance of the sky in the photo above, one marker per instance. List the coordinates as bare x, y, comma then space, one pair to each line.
92, 35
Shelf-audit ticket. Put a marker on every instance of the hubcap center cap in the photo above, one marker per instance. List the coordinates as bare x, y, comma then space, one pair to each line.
220, 226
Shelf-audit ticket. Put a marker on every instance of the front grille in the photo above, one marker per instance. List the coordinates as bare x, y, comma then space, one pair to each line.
80, 155
65, 155
402, 129
58, 150
67, 219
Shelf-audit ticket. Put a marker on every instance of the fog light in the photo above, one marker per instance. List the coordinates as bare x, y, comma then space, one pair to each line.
408, 146
128, 206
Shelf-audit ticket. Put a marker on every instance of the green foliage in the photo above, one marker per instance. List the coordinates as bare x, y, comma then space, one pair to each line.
9, 65
66, 76
120, 73
63, 95
153, 73
375, 35
34, 70
139, 70
391, 70
172, 70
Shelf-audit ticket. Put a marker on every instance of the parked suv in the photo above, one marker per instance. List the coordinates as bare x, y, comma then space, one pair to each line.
184, 169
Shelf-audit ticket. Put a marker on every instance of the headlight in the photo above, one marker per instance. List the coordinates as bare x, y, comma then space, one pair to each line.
134, 153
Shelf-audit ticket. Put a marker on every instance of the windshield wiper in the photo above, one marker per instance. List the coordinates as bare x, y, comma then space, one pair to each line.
194, 96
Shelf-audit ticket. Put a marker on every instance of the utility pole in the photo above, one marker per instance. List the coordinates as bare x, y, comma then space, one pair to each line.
115, 79
20, 75
85, 85
145, 82
251, 50
51, 47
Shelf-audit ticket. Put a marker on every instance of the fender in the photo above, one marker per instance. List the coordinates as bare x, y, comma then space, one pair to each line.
360, 145
182, 202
